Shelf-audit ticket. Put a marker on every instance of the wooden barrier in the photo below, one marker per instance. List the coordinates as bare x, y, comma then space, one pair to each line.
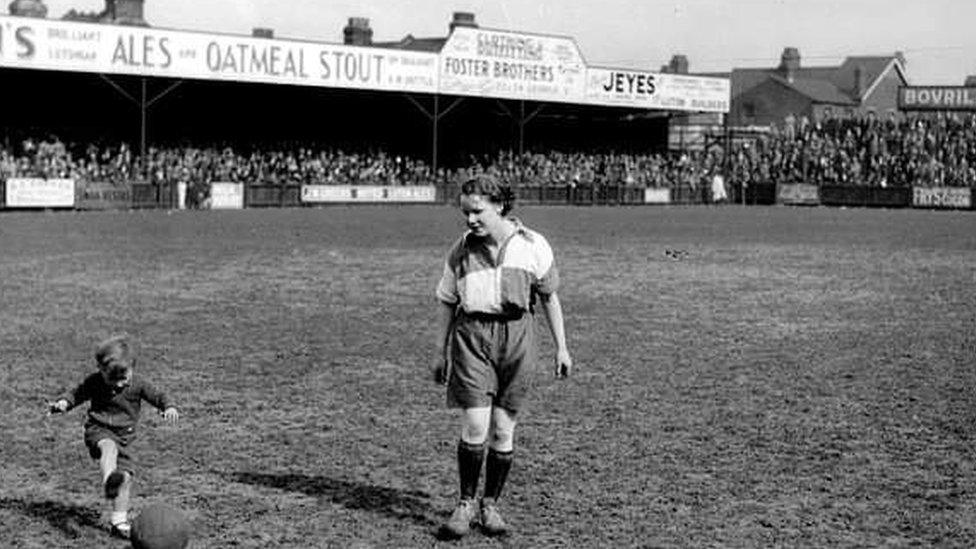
164, 195
272, 196
153, 195
99, 195
866, 197
756, 194
797, 194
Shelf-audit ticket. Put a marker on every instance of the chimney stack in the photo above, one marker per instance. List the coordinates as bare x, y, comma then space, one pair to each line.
357, 32
860, 82
678, 64
126, 12
28, 8
463, 19
789, 63
262, 32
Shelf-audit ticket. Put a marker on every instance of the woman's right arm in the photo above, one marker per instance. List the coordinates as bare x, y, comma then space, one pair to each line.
441, 360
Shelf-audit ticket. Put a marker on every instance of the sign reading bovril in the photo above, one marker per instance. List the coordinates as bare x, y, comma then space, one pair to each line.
937, 98
85, 47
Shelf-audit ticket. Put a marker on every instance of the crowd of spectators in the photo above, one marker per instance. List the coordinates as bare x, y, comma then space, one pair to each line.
654, 170
280, 164
932, 150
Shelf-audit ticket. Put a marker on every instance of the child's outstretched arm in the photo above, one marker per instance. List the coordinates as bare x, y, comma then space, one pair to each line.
73, 398
59, 406
171, 414
161, 401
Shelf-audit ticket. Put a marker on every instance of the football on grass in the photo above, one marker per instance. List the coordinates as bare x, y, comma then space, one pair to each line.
160, 526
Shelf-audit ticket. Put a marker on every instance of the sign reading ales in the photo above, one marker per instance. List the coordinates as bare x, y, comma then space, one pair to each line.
118, 49
937, 98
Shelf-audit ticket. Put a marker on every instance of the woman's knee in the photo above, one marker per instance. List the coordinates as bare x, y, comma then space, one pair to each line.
475, 424
503, 439
502, 432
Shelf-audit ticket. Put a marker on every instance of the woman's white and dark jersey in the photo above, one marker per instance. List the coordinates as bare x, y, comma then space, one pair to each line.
506, 285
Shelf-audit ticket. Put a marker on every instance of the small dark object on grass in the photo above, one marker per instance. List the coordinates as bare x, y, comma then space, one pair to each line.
675, 254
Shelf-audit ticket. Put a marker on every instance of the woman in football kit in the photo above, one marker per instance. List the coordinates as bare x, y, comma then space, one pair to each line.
494, 278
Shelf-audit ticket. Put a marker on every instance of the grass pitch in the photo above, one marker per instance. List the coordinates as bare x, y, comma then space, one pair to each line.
745, 377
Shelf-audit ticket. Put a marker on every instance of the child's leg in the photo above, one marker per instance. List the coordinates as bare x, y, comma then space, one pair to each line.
117, 483
108, 457
120, 505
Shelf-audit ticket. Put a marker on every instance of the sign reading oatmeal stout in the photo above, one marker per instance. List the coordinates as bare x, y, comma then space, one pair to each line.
48, 44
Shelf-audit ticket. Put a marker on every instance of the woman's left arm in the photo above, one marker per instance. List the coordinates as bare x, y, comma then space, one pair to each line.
554, 316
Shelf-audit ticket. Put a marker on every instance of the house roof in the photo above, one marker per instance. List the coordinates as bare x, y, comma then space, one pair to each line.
821, 91
872, 67
409, 42
835, 85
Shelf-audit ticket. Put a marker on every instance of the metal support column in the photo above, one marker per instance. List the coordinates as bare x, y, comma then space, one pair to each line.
434, 116
144, 103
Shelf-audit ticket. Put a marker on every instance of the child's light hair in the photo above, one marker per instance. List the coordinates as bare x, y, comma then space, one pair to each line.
115, 353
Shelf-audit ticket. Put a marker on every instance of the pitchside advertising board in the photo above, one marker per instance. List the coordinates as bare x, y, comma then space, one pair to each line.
84, 47
798, 194
40, 193
937, 98
649, 90
942, 197
97, 195
657, 196
323, 194
226, 196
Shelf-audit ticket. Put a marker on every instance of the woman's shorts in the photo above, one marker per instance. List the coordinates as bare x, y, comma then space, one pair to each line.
492, 359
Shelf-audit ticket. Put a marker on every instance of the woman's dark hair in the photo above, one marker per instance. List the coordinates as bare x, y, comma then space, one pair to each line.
492, 189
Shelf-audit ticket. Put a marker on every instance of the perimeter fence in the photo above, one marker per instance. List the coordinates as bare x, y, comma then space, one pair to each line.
34, 193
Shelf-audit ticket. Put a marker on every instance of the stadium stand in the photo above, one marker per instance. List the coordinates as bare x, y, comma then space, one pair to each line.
936, 150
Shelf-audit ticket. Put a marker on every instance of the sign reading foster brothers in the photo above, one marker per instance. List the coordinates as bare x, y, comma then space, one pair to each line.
510, 65
85, 47
649, 90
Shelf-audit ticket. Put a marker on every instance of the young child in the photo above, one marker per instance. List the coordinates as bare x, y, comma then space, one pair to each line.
495, 277
116, 396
